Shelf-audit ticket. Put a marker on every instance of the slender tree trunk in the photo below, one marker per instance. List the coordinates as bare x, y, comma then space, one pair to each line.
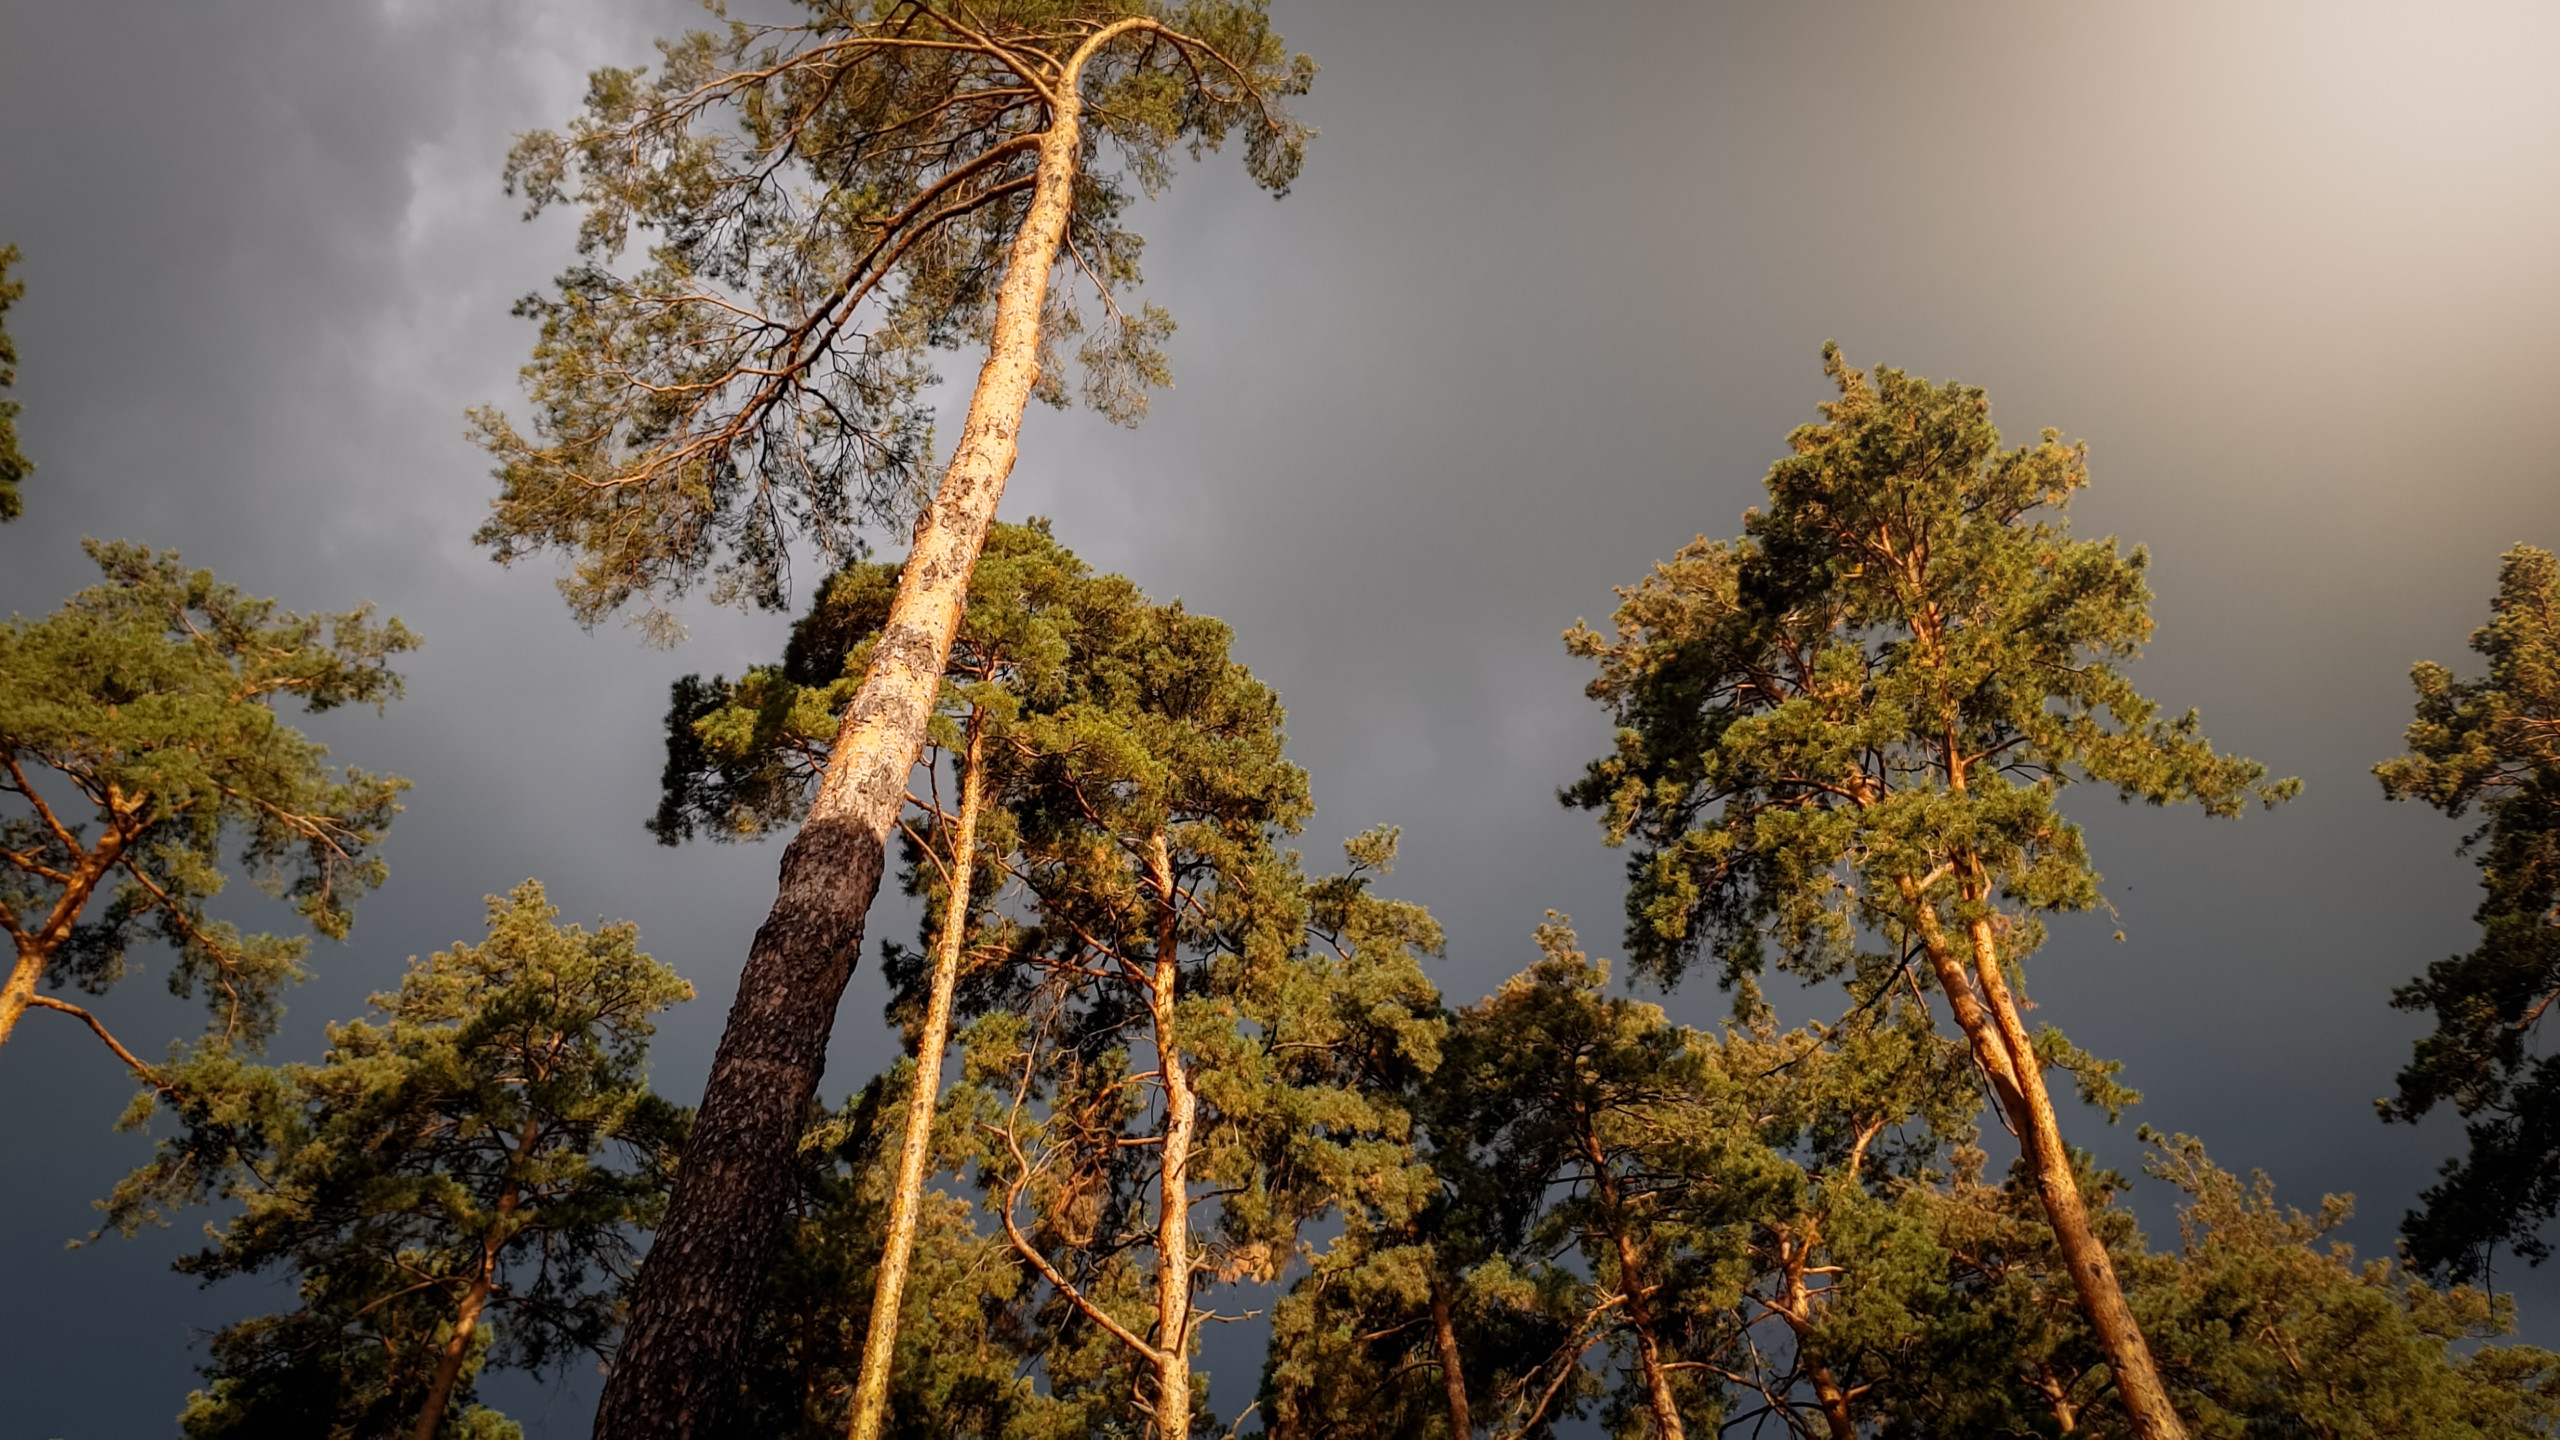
2066, 1416
1631, 1273
1181, 1116
20, 989
1444, 1335
677, 1372
2093, 1274
888, 1292
2000, 1043
466, 1322
466, 1318
1657, 1381
1796, 1308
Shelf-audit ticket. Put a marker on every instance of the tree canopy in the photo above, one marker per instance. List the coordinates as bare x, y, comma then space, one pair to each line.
1843, 736
828, 202
139, 736
2492, 744
437, 1186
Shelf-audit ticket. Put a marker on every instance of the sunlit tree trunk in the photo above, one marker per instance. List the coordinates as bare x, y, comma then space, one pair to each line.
1181, 1116
1444, 1336
2093, 1274
1639, 1304
1988, 1014
1795, 1305
888, 1292
680, 1358
475, 1299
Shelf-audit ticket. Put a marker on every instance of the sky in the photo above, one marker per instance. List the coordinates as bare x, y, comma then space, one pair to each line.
1544, 306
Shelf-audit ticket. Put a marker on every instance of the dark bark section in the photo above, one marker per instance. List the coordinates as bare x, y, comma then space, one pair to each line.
676, 1376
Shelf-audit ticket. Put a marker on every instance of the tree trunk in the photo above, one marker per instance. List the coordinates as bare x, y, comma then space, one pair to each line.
2093, 1274
466, 1318
1796, 1308
1657, 1381
449, 1365
676, 1375
1444, 1335
1173, 1219
888, 1292
20, 989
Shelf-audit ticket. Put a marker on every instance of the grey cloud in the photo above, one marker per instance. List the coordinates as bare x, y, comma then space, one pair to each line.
1545, 305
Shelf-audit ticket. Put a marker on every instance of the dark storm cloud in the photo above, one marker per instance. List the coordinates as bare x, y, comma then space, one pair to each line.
1546, 305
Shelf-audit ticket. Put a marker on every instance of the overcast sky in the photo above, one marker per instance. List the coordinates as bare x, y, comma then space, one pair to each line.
1545, 306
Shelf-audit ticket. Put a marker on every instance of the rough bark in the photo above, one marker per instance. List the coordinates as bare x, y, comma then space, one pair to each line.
1657, 1381
1444, 1337
888, 1291
1173, 1218
676, 1375
2000, 1042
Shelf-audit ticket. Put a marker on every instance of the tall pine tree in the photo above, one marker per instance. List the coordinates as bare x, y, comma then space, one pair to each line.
1856, 720
828, 201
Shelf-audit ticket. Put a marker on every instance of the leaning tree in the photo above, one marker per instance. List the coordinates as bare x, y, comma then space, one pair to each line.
1853, 724
826, 201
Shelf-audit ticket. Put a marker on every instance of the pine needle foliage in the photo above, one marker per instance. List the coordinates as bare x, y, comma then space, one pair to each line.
2492, 745
1799, 1227
139, 738
439, 1186
1139, 801
825, 203
1894, 670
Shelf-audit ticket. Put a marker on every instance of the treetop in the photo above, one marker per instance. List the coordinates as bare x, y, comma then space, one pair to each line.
1890, 672
827, 201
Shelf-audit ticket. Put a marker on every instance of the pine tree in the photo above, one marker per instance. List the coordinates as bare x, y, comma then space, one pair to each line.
1857, 718
2493, 743
139, 737
1806, 1214
437, 1186
1190, 1017
742, 760
970, 1344
830, 200
1110, 730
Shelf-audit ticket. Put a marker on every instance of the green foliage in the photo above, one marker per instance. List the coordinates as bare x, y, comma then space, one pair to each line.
828, 201
455, 1148
1880, 688
1300, 1009
968, 1332
2267, 1326
138, 730
1802, 1220
14, 464
1109, 722
744, 757
2494, 744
